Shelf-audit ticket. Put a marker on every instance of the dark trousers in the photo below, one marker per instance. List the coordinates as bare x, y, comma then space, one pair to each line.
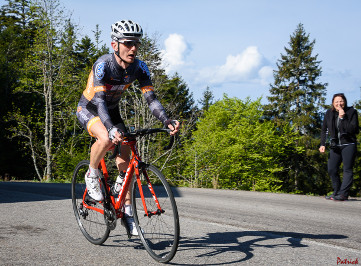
347, 155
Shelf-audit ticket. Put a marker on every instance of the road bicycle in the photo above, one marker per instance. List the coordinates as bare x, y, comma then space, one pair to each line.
154, 208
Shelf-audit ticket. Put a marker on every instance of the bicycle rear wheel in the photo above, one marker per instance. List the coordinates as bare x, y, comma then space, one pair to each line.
159, 230
91, 221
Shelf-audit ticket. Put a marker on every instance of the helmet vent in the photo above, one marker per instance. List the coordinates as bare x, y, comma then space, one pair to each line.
126, 28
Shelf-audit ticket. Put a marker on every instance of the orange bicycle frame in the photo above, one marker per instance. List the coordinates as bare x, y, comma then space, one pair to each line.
134, 165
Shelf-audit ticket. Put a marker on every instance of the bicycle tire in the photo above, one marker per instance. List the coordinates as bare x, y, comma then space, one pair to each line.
159, 233
91, 222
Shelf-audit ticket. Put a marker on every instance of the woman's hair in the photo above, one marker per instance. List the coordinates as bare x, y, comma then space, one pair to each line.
338, 95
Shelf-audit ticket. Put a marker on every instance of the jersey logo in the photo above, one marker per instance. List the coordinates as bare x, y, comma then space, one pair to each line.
127, 79
99, 71
144, 67
146, 89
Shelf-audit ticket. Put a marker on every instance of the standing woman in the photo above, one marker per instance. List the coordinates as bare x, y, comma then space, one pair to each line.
342, 125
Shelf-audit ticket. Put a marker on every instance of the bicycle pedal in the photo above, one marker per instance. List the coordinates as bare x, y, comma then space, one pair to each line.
89, 200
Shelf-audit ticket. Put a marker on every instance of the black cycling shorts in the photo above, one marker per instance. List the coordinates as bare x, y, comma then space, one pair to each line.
87, 119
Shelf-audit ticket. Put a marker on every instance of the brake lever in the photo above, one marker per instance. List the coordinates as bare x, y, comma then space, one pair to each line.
171, 141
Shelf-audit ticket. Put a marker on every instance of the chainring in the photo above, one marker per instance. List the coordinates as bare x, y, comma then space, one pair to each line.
110, 216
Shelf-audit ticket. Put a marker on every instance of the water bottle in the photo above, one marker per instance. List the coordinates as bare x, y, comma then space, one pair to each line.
118, 183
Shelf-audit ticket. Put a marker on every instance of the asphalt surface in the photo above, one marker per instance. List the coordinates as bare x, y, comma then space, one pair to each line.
218, 227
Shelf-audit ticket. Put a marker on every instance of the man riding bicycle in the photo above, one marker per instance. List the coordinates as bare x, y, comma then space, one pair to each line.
98, 109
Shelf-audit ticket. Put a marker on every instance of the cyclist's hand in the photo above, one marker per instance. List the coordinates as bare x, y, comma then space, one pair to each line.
174, 126
322, 149
115, 135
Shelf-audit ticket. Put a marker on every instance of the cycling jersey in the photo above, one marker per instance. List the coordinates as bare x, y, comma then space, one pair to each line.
106, 83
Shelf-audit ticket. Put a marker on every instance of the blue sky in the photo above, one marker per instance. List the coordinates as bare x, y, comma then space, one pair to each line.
232, 46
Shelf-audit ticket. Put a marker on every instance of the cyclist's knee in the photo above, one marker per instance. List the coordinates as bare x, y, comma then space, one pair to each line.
104, 141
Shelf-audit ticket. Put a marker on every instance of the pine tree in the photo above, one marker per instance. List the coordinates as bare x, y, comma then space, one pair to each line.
15, 38
207, 99
296, 95
297, 99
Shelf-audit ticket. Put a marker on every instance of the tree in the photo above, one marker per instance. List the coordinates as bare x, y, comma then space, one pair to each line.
207, 99
297, 99
46, 80
16, 36
296, 96
72, 140
233, 147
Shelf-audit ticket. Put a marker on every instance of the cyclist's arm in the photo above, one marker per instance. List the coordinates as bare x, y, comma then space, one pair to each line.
154, 105
143, 76
114, 133
158, 110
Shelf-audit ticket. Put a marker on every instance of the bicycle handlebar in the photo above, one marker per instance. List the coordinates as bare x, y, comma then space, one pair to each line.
143, 132
140, 133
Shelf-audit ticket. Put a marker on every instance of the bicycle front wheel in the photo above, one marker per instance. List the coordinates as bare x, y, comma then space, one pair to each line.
155, 216
88, 212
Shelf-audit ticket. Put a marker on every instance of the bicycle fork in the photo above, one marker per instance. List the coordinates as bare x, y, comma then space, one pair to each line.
148, 213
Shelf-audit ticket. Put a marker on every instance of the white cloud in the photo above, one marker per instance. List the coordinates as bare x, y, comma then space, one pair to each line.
242, 67
174, 53
266, 75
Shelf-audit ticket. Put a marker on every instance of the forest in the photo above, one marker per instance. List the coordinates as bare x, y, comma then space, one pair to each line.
228, 143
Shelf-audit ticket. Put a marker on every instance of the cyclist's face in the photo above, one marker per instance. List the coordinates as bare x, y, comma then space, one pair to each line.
338, 103
127, 50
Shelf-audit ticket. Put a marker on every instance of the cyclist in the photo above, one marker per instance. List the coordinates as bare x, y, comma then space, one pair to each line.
98, 109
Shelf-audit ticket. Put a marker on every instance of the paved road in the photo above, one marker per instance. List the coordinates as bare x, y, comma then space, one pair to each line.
218, 227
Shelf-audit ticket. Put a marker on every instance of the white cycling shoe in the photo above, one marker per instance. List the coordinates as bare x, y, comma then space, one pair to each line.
131, 224
93, 187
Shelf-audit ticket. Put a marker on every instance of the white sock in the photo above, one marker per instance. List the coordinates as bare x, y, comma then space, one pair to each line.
93, 172
128, 210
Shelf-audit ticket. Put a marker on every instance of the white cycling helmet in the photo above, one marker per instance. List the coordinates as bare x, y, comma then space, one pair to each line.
126, 29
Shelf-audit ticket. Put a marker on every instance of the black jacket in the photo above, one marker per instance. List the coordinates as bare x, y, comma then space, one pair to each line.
348, 127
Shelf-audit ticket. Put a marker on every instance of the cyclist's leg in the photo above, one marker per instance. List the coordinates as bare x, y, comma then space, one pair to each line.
97, 152
122, 161
96, 129
122, 165
101, 145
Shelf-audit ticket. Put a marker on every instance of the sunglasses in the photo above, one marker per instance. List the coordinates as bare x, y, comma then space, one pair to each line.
131, 43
